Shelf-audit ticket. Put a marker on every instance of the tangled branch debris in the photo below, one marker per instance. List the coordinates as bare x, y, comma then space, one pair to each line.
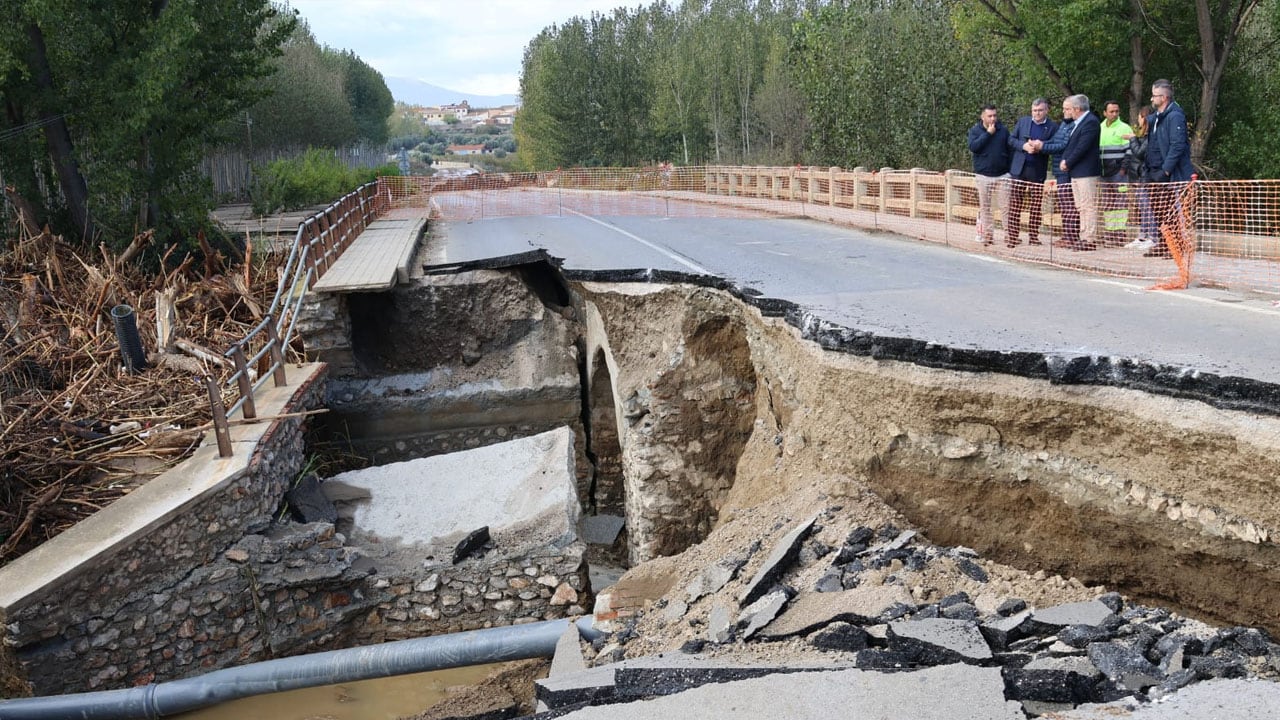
76, 430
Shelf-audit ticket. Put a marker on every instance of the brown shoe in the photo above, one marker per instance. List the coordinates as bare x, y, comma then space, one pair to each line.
1034, 241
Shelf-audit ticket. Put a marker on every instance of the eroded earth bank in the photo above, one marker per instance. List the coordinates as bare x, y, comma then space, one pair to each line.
1098, 540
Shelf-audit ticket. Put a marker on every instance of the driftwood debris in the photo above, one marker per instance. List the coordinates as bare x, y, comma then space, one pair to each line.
74, 427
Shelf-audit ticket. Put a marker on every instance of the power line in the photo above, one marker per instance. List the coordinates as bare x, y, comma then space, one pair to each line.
19, 130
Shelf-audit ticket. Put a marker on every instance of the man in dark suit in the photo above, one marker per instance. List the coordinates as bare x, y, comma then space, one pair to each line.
1028, 169
1082, 160
1168, 158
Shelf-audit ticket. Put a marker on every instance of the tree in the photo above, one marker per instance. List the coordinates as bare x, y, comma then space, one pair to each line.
127, 96
368, 97
1073, 43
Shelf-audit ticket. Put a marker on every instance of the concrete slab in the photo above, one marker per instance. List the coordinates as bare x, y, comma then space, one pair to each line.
809, 611
780, 558
1090, 612
939, 640
568, 656
951, 692
523, 490
1209, 700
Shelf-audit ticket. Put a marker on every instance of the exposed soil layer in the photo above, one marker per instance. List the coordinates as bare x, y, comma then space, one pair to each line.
1168, 500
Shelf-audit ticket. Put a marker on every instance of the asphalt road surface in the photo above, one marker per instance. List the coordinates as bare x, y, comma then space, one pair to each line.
907, 288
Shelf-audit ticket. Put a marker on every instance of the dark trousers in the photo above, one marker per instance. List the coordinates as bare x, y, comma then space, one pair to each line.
1025, 196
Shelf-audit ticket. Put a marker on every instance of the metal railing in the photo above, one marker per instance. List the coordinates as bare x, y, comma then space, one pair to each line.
318, 243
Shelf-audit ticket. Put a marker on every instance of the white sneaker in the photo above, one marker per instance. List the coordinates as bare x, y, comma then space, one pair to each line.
1141, 244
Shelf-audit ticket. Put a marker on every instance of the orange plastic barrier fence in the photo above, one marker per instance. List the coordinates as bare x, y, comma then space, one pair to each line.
1207, 233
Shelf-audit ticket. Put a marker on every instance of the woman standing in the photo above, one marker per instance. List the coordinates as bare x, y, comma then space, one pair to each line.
1135, 168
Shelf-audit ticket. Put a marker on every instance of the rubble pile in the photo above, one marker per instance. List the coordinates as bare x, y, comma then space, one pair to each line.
861, 614
77, 429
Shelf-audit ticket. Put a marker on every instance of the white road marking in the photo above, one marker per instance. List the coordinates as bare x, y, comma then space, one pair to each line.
1182, 295
687, 263
988, 258
775, 252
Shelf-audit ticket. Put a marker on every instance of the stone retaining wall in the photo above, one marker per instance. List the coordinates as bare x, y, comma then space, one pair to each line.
140, 568
544, 584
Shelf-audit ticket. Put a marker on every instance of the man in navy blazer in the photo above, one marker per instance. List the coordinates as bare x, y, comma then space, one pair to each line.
1168, 158
1082, 161
1028, 168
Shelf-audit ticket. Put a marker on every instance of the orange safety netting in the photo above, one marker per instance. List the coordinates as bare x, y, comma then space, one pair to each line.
1143, 231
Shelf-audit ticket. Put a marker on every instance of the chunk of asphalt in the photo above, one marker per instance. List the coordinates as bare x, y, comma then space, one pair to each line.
761, 612
568, 654
1090, 612
308, 502
471, 544
881, 659
674, 611
1252, 641
647, 682
955, 692
1010, 607
1112, 600
600, 529
1124, 665
590, 685
719, 627
896, 543
1215, 666
1201, 701
972, 569
780, 558
714, 577
840, 636
960, 611
831, 581
939, 641
1077, 664
1054, 686
1002, 632
1081, 636
809, 611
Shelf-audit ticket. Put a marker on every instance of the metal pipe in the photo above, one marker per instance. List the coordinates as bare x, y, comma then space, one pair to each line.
439, 652
126, 325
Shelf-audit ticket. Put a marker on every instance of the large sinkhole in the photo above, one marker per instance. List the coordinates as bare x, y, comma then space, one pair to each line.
685, 404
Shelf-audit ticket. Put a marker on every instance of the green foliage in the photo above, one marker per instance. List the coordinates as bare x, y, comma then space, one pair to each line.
317, 96
872, 82
316, 177
127, 96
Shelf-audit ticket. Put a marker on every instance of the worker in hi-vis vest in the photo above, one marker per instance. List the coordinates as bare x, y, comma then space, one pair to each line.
1115, 189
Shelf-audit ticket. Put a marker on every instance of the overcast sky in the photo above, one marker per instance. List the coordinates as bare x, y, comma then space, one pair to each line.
474, 46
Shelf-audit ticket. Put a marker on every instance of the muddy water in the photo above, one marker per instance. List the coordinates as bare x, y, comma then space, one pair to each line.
381, 699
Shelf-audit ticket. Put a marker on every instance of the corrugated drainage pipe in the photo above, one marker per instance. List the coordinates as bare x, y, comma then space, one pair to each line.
402, 657
126, 323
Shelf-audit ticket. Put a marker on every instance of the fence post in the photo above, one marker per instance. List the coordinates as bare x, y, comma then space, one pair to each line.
277, 354
249, 410
220, 429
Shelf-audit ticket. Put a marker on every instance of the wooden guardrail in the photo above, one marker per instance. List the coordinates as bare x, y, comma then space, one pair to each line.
318, 243
915, 193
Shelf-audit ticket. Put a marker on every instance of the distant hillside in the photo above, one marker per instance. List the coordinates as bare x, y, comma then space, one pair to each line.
416, 92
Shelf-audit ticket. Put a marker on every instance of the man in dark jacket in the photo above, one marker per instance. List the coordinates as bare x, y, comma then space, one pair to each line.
1168, 158
989, 143
1053, 147
1082, 160
1027, 168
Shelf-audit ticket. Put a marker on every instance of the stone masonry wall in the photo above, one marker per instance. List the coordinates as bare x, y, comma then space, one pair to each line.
544, 584
105, 627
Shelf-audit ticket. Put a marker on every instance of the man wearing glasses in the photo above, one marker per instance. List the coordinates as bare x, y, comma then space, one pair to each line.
1168, 156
